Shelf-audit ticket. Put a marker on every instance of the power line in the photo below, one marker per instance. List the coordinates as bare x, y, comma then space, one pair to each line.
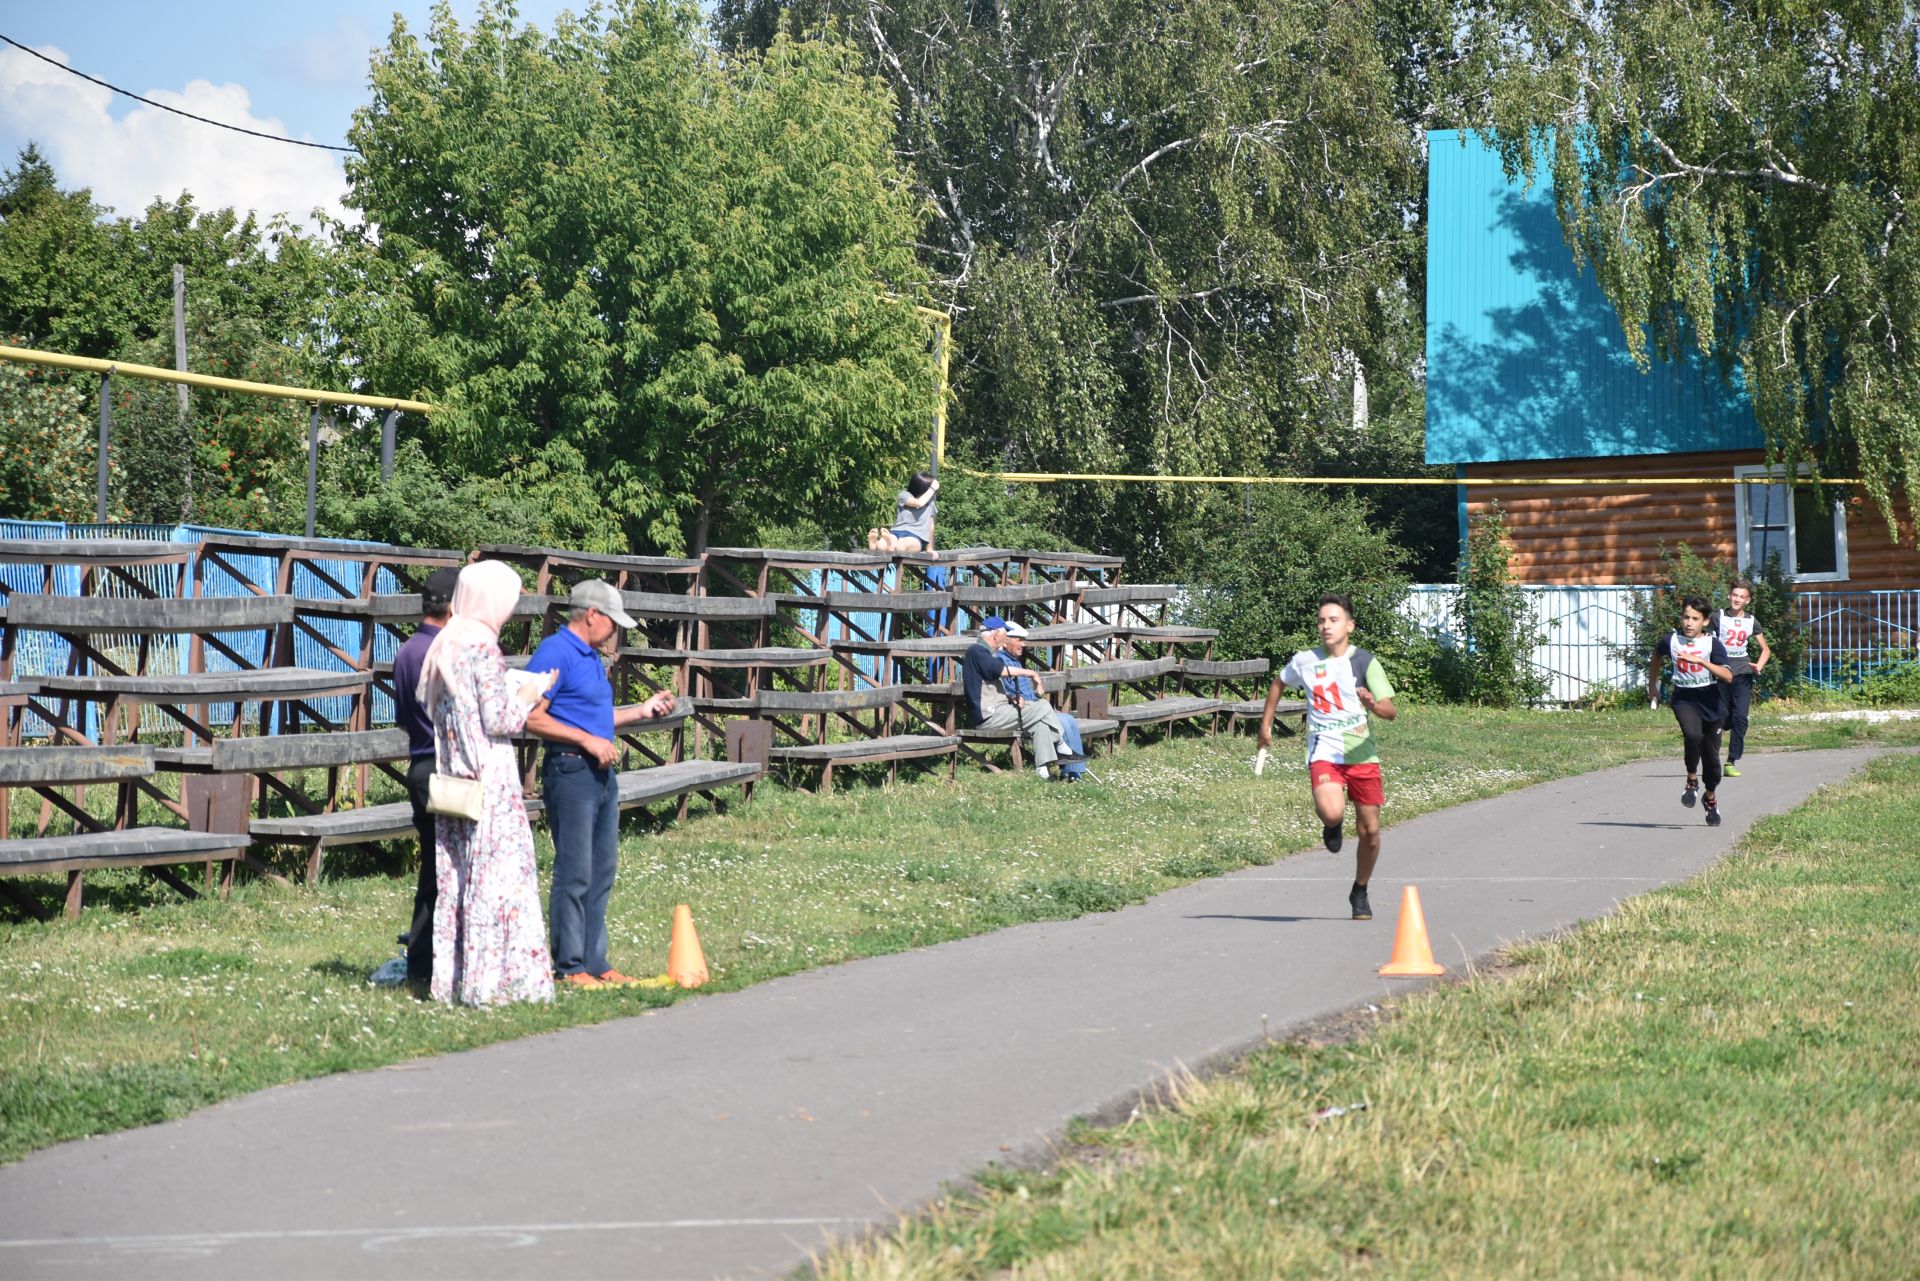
218, 124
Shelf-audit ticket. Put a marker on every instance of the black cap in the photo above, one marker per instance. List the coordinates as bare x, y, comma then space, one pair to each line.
437, 597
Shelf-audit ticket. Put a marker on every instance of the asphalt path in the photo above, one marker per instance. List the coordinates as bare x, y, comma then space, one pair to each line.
727, 1136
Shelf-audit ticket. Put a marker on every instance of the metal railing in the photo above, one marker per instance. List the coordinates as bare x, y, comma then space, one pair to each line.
1848, 634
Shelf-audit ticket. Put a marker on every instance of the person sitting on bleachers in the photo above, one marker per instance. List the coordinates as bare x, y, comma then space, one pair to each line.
990, 708
1022, 685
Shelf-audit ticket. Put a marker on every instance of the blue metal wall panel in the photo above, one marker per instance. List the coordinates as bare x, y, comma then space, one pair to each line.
1525, 355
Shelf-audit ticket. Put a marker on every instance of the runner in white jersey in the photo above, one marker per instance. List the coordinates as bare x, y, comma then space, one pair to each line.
1700, 668
1740, 632
1343, 683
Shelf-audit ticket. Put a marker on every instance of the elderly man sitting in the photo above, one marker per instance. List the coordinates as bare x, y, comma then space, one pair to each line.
1017, 680
991, 707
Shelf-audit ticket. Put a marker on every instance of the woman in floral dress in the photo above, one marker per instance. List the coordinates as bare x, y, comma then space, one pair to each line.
489, 942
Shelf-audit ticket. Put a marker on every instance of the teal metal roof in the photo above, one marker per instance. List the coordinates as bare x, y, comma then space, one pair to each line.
1525, 356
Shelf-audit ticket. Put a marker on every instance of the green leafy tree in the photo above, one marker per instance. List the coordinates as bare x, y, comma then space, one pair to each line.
74, 279
1741, 178
686, 270
1275, 552
547, 503
1181, 238
1493, 662
47, 449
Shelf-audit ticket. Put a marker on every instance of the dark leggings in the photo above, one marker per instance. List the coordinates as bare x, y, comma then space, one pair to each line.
1703, 743
1740, 695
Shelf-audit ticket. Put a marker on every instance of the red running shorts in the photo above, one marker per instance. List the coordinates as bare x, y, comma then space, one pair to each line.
1361, 781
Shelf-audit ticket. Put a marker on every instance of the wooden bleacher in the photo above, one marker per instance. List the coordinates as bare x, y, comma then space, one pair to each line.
880, 742
120, 680
1103, 682
96, 843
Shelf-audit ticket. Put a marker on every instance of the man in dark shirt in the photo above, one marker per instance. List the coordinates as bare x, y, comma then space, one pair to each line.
577, 778
988, 706
436, 603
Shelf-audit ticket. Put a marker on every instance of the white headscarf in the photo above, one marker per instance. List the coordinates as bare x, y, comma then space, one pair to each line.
482, 601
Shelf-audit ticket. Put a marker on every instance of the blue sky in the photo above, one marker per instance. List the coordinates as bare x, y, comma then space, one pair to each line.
298, 71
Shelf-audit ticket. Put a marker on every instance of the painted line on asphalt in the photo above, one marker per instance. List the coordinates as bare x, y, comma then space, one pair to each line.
1469, 880
376, 1236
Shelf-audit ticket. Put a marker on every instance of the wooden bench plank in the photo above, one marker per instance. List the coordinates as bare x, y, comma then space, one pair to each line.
394, 820
787, 558
1071, 560
664, 782
250, 686
1209, 670
1017, 594
1069, 633
909, 647
133, 847
663, 605
1155, 710
278, 545
1255, 708
1136, 669
343, 827
93, 551
1129, 594
135, 615
71, 766
894, 746
1169, 633
306, 751
831, 700
765, 656
887, 602
398, 607
603, 562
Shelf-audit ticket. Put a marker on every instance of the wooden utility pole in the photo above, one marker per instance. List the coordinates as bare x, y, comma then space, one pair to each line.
180, 364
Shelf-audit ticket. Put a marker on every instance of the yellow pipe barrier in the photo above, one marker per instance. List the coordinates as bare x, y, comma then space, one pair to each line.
1632, 482
57, 360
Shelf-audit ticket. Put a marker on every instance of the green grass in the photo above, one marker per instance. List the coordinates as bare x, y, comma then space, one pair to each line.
149, 1006
1720, 1080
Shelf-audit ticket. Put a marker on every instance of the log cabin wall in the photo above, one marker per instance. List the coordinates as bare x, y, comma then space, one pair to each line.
1609, 534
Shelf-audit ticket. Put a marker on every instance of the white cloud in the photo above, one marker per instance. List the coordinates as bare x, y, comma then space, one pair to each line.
147, 153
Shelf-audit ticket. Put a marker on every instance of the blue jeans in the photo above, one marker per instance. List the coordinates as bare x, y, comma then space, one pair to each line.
583, 813
1070, 735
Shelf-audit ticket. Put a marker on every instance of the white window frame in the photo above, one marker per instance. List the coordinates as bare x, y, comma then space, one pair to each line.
1839, 574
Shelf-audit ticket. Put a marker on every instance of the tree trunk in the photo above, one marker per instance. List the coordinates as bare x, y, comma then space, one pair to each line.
703, 516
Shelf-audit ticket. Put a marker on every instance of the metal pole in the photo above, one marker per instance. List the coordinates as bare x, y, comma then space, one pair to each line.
106, 430
386, 444
940, 358
313, 464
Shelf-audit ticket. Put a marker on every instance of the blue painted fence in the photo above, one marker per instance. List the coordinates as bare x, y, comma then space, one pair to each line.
40, 653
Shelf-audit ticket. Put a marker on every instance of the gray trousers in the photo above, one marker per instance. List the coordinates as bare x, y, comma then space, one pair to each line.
1037, 719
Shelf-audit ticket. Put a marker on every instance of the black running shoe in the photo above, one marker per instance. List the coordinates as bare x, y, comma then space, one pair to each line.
1713, 814
1331, 836
1687, 797
1357, 900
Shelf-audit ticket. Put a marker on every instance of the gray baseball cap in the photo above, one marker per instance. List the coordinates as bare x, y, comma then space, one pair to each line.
597, 593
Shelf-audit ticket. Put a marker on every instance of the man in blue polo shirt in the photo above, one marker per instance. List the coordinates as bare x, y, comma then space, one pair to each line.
577, 778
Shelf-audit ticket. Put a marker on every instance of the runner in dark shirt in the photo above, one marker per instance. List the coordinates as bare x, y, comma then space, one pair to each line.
1700, 669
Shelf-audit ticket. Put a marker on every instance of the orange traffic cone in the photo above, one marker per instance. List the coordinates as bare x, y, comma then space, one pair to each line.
686, 962
1412, 954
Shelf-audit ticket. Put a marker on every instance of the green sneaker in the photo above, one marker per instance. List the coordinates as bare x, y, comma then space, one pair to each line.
1732, 770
